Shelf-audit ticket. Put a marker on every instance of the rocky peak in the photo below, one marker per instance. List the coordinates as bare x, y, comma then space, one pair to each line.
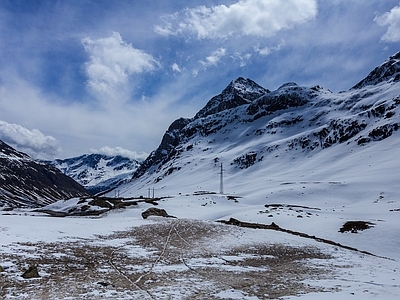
388, 71
288, 85
240, 91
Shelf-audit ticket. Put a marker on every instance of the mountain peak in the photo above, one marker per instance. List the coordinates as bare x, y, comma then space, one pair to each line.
287, 85
388, 71
240, 91
97, 172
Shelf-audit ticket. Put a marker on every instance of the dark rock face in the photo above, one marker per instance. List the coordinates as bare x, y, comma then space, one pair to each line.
238, 92
271, 103
27, 183
170, 140
389, 70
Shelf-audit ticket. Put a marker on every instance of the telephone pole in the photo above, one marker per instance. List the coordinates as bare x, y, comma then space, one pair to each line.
221, 180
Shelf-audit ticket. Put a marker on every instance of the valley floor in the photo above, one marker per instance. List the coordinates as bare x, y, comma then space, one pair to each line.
121, 256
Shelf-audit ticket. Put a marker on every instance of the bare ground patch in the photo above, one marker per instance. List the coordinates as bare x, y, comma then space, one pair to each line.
171, 259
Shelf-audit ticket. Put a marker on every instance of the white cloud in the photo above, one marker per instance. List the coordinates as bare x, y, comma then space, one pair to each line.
33, 142
392, 20
113, 151
243, 58
112, 62
247, 17
78, 127
268, 50
175, 67
214, 57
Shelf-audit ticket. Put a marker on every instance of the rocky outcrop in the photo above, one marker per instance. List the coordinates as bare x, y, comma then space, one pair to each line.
170, 140
158, 212
388, 71
32, 272
239, 92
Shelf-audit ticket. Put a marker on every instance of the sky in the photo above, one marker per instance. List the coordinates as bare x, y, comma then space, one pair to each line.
97, 76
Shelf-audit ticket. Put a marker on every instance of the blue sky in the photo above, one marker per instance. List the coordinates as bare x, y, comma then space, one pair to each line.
81, 76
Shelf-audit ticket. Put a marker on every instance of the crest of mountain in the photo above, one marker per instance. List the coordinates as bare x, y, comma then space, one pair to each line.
389, 71
97, 172
247, 125
238, 92
25, 182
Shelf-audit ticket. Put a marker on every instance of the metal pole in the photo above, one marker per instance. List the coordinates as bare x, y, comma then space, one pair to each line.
221, 181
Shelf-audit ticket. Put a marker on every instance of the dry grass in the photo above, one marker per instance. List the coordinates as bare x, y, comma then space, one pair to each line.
172, 259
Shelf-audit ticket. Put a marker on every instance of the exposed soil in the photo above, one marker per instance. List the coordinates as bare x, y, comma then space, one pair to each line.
171, 259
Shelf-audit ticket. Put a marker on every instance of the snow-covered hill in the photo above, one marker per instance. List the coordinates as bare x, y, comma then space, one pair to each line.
98, 172
27, 183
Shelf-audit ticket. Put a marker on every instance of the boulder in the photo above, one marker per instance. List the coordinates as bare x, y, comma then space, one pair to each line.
32, 272
153, 211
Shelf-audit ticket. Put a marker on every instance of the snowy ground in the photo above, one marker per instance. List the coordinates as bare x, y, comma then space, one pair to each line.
122, 256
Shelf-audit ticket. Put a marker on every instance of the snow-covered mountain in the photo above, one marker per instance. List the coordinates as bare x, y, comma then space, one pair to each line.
250, 129
98, 172
26, 183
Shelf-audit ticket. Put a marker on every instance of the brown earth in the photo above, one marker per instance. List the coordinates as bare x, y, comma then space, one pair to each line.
171, 259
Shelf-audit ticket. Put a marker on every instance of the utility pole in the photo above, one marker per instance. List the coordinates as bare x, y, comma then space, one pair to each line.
221, 180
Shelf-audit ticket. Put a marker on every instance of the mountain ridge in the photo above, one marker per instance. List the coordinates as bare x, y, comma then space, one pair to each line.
274, 123
25, 182
97, 172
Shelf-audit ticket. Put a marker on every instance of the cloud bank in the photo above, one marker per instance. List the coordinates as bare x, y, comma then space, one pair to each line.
32, 141
112, 62
392, 20
247, 17
120, 151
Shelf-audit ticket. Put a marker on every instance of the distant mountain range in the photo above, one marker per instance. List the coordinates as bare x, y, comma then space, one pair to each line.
97, 172
25, 182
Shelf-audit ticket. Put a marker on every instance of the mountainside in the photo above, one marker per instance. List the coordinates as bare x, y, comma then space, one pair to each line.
27, 183
97, 172
250, 128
